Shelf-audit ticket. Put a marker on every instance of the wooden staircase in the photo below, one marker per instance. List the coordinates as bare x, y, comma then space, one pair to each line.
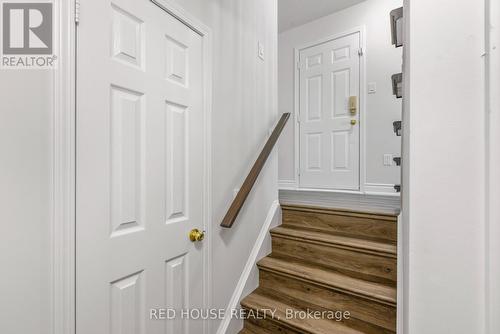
327, 260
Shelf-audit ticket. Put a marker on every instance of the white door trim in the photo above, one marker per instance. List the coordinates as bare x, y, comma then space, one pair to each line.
362, 107
403, 291
62, 233
63, 226
492, 181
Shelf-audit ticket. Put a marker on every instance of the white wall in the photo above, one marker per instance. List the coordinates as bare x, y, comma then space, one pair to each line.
250, 282
25, 200
444, 194
244, 110
382, 60
493, 218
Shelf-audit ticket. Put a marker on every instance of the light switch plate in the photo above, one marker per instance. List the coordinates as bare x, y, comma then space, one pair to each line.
372, 88
388, 159
260, 47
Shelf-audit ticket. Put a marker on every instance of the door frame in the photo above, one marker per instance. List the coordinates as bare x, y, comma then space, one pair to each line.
492, 125
63, 214
362, 108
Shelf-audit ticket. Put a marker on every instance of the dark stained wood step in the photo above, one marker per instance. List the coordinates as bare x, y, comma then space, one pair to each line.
329, 279
379, 227
328, 260
365, 313
246, 331
351, 262
262, 303
254, 328
269, 327
361, 245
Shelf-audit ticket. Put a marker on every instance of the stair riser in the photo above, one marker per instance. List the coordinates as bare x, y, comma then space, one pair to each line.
357, 264
270, 328
266, 326
245, 331
348, 224
364, 312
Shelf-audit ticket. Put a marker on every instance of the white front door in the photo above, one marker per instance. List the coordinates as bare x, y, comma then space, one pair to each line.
139, 172
329, 130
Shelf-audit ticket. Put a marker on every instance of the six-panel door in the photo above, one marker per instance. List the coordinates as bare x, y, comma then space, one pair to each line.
139, 169
329, 129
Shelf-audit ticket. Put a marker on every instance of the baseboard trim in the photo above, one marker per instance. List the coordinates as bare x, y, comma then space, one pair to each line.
287, 184
380, 189
252, 260
400, 290
369, 188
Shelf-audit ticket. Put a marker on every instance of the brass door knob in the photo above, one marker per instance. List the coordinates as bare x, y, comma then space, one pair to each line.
196, 235
353, 122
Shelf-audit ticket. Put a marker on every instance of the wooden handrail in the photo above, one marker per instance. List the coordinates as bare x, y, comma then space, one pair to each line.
245, 189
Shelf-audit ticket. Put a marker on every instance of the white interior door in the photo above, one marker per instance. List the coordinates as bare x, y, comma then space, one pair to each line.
329, 130
139, 169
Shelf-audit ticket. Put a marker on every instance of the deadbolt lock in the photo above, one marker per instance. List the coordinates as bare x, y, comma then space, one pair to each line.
353, 122
353, 105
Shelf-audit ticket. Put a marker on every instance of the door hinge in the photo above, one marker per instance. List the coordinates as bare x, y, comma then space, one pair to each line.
361, 52
299, 65
77, 11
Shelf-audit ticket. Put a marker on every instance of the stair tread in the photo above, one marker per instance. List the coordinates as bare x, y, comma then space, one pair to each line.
245, 331
259, 302
330, 279
253, 328
363, 244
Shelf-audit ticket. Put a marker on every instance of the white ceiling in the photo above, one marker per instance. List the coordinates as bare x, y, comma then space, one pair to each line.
293, 13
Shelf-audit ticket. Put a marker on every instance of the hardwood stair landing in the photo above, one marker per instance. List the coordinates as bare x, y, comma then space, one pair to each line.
329, 261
